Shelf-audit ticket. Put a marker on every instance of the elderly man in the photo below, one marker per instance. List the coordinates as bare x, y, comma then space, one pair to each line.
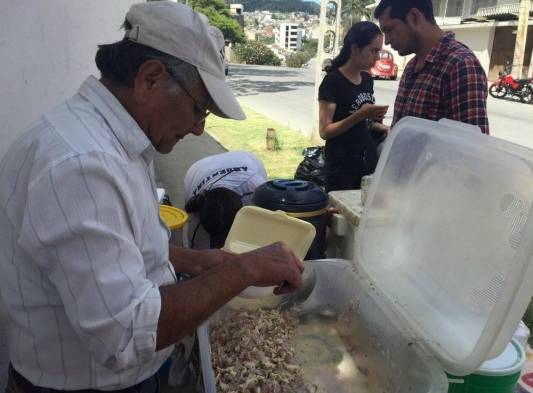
445, 78
89, 282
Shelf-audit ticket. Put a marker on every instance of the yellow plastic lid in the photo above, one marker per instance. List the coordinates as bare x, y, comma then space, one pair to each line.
172, 216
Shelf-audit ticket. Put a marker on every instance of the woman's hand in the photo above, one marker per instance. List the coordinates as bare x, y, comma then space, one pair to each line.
374, 112
381, 128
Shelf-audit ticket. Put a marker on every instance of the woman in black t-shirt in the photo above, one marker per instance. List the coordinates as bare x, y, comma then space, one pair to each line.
348, 113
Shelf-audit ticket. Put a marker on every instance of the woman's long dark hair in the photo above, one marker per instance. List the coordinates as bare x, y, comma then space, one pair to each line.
216, 211
360, 34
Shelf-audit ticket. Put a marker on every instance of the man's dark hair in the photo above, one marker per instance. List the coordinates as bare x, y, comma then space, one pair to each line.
400, 8
121, 60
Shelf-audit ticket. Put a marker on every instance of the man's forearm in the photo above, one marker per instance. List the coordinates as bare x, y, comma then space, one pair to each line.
186, 305
182, 258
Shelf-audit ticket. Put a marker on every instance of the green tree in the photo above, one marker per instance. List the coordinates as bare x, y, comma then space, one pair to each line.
308, 51
219, 15
353, 11
254, 52
310, 45
265, 39
297, 59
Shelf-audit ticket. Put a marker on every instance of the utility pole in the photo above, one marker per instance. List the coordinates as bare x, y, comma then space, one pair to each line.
321, 55
521, 38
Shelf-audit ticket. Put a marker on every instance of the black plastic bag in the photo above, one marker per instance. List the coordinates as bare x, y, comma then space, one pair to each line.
313, 166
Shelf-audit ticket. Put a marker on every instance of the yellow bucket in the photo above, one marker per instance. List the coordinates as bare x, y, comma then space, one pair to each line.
172, 216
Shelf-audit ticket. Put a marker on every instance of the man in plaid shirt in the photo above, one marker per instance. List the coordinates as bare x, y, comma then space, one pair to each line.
444, 79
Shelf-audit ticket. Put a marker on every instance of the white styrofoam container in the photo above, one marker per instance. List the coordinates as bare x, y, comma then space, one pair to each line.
255, 227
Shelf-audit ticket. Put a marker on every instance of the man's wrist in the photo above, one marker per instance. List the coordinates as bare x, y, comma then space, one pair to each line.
245, 269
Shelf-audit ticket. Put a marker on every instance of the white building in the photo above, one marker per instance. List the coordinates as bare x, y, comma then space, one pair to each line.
289, 36
236, 10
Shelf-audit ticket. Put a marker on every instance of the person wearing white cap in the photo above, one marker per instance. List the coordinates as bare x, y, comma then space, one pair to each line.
90, 286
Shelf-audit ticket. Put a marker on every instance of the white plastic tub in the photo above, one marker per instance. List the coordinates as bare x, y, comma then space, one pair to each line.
347, 340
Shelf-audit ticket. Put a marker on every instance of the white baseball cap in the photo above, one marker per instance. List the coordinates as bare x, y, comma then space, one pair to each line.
177, 30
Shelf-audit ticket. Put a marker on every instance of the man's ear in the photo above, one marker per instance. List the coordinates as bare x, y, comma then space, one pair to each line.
415, 18
150, 75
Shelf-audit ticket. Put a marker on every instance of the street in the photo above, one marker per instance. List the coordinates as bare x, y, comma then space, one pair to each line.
286, 95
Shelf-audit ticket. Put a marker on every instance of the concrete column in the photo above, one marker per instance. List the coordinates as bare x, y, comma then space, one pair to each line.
322, 55
521, 38
467, 8
530, 73
338, 38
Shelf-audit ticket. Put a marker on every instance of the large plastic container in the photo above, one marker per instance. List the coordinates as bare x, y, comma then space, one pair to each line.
347, 340
446, 237
442, 271
300, 199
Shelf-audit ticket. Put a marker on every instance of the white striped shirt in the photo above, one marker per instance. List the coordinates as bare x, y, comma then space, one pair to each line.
82, 249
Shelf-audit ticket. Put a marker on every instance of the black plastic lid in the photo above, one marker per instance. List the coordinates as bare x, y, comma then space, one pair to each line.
293, 196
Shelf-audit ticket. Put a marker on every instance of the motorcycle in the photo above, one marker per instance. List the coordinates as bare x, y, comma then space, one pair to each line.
506, 85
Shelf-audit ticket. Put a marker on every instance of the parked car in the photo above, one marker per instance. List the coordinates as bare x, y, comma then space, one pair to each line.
385, 66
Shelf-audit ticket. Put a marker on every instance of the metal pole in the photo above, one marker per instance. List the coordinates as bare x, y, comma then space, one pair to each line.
521, 38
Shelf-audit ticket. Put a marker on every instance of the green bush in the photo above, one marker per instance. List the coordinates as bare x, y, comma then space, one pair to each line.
297, 59
254, 52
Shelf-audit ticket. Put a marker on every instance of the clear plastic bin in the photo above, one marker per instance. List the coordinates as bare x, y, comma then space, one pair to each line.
347, 339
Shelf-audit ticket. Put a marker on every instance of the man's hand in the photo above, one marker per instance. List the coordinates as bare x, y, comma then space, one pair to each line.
273, 265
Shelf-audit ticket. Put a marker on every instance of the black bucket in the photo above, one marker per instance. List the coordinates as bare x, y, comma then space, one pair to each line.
301, 199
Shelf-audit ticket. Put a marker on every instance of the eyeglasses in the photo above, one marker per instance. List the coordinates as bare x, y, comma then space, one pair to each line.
200, 112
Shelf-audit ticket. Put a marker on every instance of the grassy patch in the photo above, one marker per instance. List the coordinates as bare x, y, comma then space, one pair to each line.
250, 135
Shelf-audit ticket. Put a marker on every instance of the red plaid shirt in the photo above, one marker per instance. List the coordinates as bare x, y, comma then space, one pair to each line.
452, 85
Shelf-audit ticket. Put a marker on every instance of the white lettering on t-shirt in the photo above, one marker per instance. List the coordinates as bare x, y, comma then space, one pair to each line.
217, 174
360, 100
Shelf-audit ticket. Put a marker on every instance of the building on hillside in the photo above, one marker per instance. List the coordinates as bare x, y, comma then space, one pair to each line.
236, 10
488, 27
268, 31
289, 36
250, 34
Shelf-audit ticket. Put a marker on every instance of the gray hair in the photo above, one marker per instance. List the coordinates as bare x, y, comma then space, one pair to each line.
183, 75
